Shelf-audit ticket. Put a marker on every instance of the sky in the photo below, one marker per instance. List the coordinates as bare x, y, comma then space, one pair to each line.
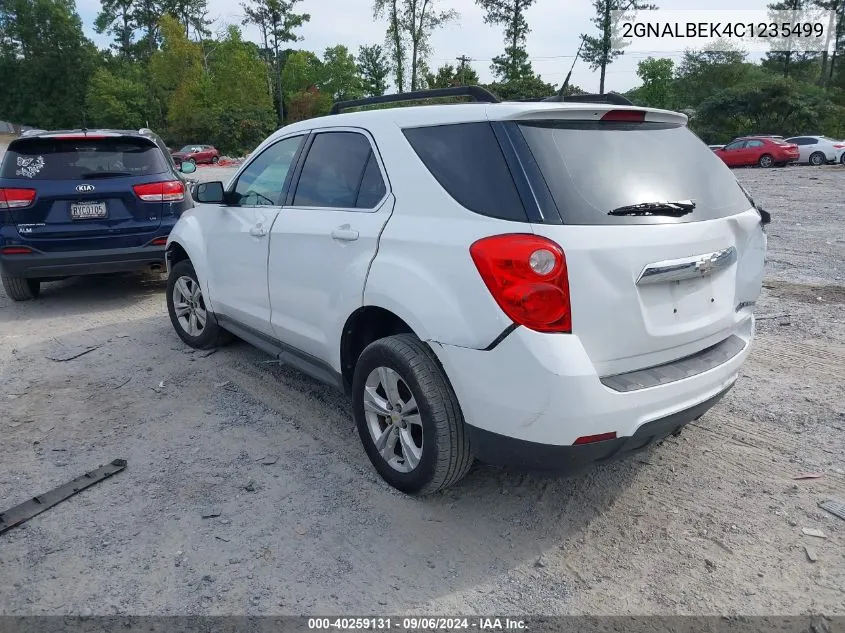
556, 26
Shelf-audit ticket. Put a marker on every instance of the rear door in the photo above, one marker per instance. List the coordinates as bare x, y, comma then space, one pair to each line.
85, 190
325, 238
647, 289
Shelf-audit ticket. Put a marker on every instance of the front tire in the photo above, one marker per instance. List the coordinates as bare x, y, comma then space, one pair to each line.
817, 158
766, 160
215, 160
195, 324
20, 288
408, 416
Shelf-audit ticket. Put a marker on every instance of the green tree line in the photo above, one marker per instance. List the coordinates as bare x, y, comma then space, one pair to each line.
169, 68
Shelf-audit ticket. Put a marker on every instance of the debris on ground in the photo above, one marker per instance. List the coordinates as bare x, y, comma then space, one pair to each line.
210, 513
813, 532
73, 353
35, 506
836, 508
811, 554
269, 460
809, 476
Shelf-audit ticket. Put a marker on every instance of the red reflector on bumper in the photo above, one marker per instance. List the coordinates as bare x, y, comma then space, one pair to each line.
159, 241
589, 439
15, 250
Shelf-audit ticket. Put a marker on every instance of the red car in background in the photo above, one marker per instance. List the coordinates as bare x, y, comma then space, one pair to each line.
760, 150
196, 154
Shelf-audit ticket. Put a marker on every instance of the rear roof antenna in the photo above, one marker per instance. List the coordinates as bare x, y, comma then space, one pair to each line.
565, 83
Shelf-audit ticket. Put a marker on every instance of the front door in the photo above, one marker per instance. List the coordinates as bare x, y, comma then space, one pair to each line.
238, 236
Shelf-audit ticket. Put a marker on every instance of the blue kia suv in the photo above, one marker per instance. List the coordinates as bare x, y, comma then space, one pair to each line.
83, 202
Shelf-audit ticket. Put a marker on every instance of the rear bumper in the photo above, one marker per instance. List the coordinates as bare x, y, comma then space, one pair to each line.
493, 448
37, 265
540, 393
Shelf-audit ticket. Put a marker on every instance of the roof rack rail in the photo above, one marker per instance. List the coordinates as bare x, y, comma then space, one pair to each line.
476, 92
613, 98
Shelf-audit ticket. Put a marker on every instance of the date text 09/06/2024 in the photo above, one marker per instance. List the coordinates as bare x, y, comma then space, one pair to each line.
417, 623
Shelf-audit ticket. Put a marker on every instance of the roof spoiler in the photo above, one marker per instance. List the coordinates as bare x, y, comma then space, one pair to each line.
476, 92
611, 98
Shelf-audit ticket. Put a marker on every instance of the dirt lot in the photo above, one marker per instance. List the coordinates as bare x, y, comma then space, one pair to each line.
710, 522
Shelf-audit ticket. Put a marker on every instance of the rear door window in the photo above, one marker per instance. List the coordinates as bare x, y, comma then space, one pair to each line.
467, 161
82, 159
594, 167
340, 171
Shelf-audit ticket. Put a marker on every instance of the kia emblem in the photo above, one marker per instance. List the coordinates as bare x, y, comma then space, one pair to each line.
84, 188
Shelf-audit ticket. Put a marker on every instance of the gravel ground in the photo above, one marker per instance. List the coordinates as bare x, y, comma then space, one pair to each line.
247, 490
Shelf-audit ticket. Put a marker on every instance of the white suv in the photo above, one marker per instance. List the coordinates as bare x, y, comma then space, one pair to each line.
545, 285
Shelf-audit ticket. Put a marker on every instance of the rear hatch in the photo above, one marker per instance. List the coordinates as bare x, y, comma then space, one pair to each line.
85, 190
652, 283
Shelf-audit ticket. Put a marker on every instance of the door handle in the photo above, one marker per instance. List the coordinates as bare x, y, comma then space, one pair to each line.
345, 234
258, 230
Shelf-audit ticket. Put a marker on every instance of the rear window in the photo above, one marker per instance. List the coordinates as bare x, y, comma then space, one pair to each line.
78, 159
592, 168
467, 161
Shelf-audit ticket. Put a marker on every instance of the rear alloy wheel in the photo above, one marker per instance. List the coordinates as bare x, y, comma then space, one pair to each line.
766, 160
408, 416
193, 321
817, 158
21, 289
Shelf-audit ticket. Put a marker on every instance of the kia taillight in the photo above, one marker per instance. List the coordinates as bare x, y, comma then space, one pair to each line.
16, 198
169, 191
527, 276
838, 146
630, 116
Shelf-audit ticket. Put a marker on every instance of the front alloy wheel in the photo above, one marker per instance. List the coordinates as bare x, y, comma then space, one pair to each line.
393, 419
193, 321
188, 306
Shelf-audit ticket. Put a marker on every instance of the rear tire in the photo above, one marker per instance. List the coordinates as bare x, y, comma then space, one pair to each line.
842, 158
428, 447
766, 160
817, 158
21, 289
214, 159
195, 324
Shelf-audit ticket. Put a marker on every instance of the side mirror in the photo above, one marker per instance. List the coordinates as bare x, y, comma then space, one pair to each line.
187, 167
209, 192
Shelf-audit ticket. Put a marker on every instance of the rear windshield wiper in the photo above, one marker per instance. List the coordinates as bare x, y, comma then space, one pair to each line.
105, 174
673, 209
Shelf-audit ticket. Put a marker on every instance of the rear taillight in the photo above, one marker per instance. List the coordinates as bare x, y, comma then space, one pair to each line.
527, 276
169, 191
16, 198
838, 146
632, 116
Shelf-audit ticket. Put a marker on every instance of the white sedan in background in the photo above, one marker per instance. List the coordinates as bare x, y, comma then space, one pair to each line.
818, 150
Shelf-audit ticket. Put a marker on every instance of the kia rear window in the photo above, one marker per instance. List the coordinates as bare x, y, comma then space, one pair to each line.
467, 161
82, 159
594, 167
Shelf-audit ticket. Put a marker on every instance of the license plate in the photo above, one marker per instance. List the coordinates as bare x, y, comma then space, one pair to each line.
88, 210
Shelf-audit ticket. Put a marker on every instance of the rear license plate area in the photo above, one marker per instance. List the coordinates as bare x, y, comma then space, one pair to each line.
692, 297
88, 211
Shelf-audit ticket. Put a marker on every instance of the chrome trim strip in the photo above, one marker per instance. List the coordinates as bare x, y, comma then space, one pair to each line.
687, 268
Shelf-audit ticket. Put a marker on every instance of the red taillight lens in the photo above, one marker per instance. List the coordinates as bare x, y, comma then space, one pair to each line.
170, 191
590, 439
635, 116
16, 198
838, 146
527, 276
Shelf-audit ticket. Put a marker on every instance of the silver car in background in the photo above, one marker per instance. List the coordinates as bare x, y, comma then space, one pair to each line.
818, 150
